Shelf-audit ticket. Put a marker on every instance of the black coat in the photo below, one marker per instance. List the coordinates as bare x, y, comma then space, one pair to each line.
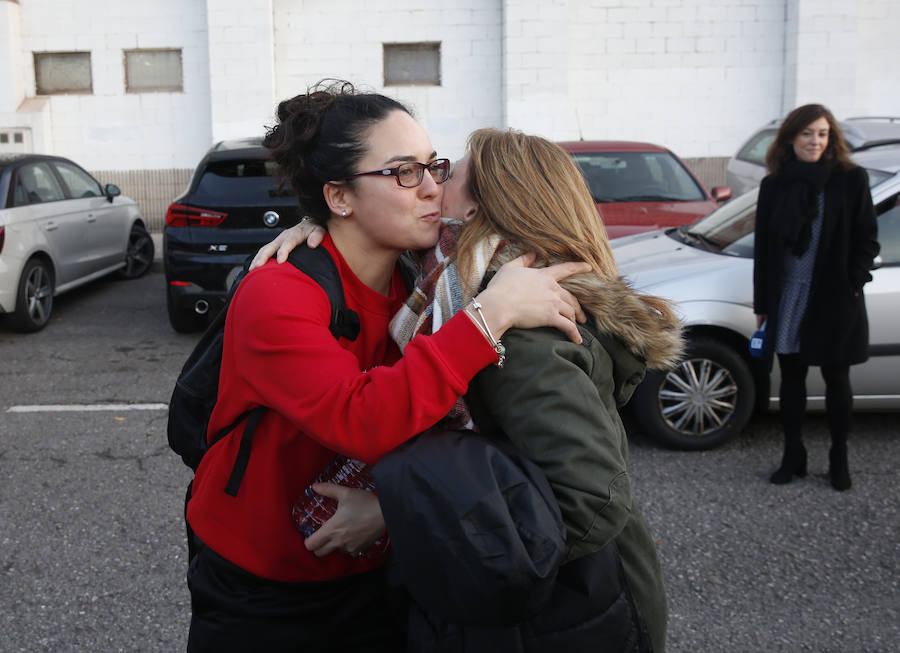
835, 328
478, 541
591, 610
476, 533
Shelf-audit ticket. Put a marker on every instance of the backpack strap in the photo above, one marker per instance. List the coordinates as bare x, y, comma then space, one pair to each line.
243, 455
320, 267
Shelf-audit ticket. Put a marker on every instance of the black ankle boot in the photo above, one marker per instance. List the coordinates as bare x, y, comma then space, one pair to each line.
792, 462
838, 469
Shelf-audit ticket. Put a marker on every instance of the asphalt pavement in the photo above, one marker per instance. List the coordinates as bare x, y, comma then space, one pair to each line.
92, 551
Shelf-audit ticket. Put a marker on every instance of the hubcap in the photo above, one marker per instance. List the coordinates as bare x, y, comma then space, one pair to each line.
698, 397
38, 295
138, 257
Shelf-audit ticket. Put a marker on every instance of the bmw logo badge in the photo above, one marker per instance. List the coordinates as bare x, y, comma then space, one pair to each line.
270, 218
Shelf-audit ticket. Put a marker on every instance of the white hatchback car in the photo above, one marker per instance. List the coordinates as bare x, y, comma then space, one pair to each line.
707, 269
59, 228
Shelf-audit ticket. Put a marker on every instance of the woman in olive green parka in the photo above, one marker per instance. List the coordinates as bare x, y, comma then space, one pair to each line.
558, 403
556, 400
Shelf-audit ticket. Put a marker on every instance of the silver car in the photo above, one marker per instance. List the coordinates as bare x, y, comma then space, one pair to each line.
747, 167
59, 228
707, 269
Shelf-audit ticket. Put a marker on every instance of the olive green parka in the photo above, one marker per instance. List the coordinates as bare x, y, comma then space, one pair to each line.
559, 402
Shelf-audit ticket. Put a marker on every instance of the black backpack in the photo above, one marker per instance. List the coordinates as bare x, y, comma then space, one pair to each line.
197, 387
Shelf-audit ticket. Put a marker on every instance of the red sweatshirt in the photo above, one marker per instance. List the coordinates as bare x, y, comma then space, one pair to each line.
324, 396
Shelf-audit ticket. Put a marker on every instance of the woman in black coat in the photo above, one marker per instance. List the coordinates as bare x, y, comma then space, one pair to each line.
815, 243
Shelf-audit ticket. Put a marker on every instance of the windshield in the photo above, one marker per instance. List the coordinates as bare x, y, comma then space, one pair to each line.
729, 229
637, 177
239, 182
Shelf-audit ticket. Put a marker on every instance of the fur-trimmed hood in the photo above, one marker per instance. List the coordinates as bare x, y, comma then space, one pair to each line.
646, 324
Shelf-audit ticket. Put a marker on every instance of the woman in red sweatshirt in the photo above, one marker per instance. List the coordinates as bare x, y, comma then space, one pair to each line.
360, 163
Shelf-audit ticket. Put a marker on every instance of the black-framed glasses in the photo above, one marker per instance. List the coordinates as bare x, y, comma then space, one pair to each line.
411, 174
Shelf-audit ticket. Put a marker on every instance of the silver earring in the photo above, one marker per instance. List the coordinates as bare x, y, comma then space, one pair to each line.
343, 214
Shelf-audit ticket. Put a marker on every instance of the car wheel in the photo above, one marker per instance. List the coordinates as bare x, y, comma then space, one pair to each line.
34, 299
704, 401
139, 256
183, 321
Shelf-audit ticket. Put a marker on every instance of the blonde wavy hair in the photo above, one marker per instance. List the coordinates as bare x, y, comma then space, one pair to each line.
531, 193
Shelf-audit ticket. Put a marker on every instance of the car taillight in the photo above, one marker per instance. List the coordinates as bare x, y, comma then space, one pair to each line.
2, 238
180, 215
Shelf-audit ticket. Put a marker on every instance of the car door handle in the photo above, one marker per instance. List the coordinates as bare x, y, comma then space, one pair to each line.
50, 226
91, 217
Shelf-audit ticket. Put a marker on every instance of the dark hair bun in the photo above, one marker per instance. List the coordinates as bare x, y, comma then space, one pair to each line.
320, 137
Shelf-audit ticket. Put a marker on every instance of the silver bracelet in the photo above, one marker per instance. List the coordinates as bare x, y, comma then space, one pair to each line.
495, 343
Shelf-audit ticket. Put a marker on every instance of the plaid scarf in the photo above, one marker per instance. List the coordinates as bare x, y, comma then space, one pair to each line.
439, 294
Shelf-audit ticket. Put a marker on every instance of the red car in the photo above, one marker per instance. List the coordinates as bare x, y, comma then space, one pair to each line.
641, 187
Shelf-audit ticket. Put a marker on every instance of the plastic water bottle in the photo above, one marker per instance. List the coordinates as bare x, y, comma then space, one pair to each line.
311, 509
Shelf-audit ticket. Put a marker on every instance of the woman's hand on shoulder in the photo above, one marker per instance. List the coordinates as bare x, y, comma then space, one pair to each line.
525, 297
305, 230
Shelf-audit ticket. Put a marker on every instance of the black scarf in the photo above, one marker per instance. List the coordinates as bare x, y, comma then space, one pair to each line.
801, 183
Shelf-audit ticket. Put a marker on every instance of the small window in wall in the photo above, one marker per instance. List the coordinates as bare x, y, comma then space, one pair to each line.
148, 71
12, 140
62, 72
412, 63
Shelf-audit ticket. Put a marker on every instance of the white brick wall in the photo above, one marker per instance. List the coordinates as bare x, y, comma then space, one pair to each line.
825, 53
694, 75
12, 85
672, 72
877, 79
315, 39
698, 76
537, 42
241, 66
110, 129
842, 55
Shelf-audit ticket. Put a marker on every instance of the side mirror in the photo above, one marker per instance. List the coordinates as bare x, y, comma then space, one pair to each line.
721, 193
111, 191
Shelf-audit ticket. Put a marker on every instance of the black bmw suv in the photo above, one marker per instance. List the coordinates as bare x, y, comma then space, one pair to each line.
234, 204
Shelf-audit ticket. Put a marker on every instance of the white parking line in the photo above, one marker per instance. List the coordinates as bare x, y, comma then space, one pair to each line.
84, 408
